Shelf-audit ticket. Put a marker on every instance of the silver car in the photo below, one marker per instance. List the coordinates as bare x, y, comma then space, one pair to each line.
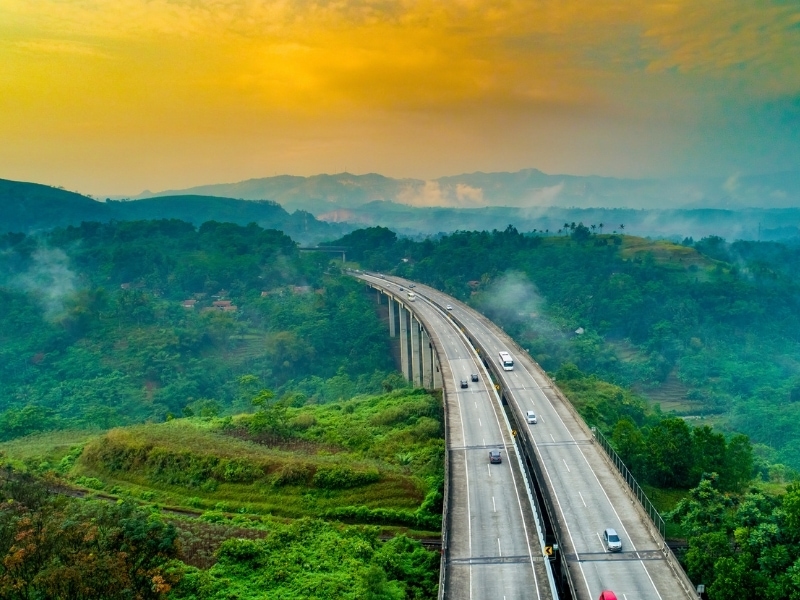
611, 540
530, 417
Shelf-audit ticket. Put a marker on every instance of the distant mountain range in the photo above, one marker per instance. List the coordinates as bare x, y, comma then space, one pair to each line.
345, 202
530, 188
752, 224
27, 207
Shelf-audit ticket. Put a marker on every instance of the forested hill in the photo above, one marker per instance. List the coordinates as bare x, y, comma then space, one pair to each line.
31, 206
26, 207
706, 328
114, 323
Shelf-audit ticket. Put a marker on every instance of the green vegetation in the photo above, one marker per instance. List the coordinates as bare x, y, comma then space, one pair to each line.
744, 545
137, 359
709, 328
372, 459
661, 451
94, 330
56, 547
314, 559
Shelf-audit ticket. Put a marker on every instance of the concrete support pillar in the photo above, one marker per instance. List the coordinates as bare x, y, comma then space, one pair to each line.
437, 373
404, 363
416, 355
427, 363
392, 325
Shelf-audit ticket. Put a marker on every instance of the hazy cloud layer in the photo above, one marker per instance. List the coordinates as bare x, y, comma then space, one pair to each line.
168, 93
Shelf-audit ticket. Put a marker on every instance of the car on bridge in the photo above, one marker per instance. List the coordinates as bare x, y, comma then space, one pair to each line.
448, 307
607, 595
611, 540
530, 417
464, 384
494, 457
474, 377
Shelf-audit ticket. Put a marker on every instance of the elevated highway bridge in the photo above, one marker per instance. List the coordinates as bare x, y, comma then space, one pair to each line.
530, 527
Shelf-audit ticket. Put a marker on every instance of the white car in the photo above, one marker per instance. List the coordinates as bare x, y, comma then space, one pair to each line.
530, 416
448, 307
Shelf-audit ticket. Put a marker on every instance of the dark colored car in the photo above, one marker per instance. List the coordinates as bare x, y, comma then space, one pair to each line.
464, 383
474, 377
494, 456
412, 285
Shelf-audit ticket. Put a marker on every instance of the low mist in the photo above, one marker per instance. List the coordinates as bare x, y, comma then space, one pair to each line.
49, 279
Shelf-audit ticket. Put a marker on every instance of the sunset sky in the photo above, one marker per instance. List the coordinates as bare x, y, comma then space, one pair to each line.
116, 96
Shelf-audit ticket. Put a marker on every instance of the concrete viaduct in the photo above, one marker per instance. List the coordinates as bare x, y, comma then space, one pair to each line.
532, 526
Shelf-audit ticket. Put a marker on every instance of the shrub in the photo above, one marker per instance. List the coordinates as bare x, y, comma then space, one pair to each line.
340, 478
90, 482
293, 474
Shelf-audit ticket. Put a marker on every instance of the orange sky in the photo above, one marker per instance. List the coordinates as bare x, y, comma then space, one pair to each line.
115, 96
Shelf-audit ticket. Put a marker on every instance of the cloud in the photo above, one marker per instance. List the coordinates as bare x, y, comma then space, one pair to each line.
429, 194
432, 193
49, 279
545, 196
514, 298
406, 87
468, 195
731, 184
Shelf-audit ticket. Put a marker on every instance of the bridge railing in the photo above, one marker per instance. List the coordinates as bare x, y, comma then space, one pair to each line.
636, 489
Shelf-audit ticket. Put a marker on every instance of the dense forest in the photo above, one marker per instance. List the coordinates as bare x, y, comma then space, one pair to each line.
221, 373
111, 324
709, 328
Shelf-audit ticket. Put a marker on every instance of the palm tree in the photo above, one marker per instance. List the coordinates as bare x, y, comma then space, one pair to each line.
621, 226
601, 227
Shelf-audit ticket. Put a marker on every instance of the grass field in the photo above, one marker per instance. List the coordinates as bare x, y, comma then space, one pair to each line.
372, 459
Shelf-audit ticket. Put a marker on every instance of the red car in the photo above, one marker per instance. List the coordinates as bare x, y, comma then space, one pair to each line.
607, 595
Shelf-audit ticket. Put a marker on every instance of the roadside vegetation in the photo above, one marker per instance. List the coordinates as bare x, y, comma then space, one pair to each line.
58, 547
226, 406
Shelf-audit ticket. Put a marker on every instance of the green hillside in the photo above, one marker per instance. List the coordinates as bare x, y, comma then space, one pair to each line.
29, 207
370, 459
125, 322
224, 403
709, 328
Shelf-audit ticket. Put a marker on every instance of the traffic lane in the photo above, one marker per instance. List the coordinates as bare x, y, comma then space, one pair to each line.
639, 577
493, 500
507, 578
657, 570
587, 511
626, 577
495, 512
510, 535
